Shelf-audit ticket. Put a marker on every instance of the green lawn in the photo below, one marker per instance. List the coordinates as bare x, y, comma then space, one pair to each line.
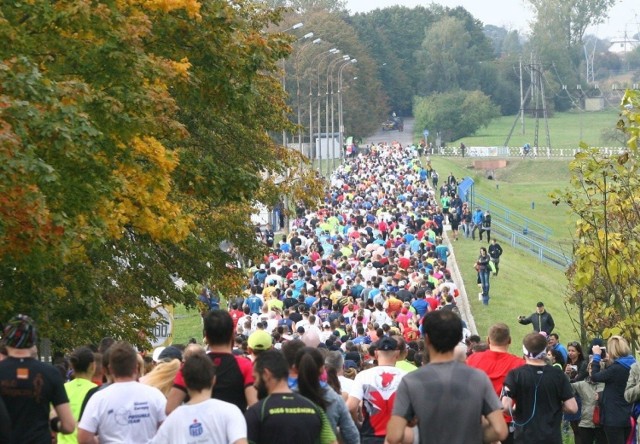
523, 280
517, 186
566, 130
187, 324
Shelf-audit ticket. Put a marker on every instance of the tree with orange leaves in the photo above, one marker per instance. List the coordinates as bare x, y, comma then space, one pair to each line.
133, 140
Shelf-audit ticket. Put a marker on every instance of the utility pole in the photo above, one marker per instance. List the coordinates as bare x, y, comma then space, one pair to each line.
521, 98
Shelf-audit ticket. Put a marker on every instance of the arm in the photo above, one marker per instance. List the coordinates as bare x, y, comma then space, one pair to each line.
552, 324
251, 395
67, 423
174, 399
85, 437
395, 429
570, 406
346, 425
352, 404
496, 429
507, 404
632, 390
525, 321
597, 374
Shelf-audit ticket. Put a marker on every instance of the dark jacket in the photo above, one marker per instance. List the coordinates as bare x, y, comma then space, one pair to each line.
616, 410
495, 251
541, 322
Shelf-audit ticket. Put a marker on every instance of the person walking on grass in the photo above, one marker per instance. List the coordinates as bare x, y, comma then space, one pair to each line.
485, 226
495, 251
476, 223
482, 266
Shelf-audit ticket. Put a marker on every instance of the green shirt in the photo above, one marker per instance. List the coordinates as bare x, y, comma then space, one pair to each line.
76, 392
406, 366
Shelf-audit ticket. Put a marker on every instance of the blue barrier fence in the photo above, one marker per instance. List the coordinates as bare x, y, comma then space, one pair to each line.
521, 232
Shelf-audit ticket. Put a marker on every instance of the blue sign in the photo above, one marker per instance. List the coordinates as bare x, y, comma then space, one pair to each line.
425, 133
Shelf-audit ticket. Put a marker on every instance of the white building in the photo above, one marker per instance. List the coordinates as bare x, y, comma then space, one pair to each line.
623, 45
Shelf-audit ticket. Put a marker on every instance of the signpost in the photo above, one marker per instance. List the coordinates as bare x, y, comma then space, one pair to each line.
163, 331
162, 334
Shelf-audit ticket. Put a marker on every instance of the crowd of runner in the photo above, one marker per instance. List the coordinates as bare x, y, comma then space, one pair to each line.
330, 344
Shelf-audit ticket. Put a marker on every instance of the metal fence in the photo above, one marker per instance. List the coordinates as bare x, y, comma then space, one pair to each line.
524, 242
522, 232
513, 151
513, 220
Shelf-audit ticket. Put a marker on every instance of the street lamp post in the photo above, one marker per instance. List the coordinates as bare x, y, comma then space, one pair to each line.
340, 110
284, 78
304, 47
311, 153
330, 67
333, 51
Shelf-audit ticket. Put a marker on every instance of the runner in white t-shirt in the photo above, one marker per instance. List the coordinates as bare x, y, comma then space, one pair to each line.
125, 411
375, 389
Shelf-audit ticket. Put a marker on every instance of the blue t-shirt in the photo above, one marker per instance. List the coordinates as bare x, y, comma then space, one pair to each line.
441, 252
421, 306
254, 303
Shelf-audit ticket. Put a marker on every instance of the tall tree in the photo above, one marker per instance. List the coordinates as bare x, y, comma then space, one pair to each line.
451, 53
569, 19
393, 36
133, 140
454, 114
558, 35
604, 194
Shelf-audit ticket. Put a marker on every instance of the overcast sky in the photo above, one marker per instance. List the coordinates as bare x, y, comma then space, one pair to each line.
514, 14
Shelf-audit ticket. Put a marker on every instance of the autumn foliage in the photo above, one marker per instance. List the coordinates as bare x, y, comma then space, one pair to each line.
134, 138
605, 195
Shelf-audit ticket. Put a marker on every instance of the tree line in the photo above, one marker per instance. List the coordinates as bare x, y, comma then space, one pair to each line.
417, 56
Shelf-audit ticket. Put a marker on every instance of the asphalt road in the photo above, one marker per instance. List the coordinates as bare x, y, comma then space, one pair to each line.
405, 137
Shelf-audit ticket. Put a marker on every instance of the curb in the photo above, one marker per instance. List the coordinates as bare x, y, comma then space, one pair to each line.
462, 300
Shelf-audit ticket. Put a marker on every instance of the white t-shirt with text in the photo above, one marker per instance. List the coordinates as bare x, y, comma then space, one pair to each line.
124, 412
212, 422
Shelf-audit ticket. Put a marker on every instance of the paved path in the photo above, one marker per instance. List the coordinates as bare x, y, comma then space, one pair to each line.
406, 138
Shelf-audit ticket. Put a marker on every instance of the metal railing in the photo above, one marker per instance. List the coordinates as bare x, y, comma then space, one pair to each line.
514, 151
525, 243
513, 220
522, 233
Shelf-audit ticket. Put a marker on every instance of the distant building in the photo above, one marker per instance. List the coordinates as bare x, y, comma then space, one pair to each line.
623, 45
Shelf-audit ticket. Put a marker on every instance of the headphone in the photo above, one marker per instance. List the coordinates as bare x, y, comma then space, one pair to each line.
530, 355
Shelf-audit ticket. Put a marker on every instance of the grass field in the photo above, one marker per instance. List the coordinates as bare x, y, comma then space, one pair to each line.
523, 280
566, 130
517, 186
